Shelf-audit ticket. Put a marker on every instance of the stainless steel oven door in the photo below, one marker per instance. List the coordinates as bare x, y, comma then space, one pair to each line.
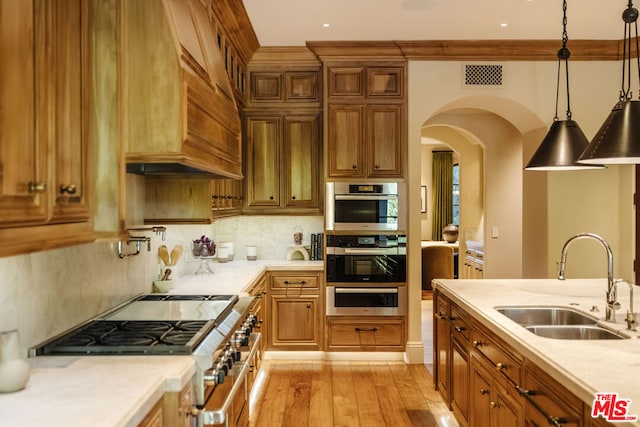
225, 402
366, 301
377, 211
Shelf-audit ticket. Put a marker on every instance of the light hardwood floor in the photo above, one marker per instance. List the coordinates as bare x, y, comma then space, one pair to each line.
298, 393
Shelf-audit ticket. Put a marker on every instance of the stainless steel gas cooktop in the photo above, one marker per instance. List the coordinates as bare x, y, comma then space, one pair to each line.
149, 324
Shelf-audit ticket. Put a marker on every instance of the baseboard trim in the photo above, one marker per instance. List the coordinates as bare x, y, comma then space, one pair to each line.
335, 355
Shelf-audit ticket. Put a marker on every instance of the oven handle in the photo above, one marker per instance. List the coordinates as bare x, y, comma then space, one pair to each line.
366, 290
370, 251
365, 197
218, 416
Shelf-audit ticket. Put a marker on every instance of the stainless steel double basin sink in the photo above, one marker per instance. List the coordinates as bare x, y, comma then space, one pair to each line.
558, 323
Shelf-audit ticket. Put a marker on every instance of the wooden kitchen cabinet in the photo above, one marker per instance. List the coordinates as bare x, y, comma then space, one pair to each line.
295, 310
547, 398
284, 86
178, 406
505, 388
365, 110
155, 416
441, 346
365, 333
43, 144
365, 140
365, 82
190, 199
283, 163
491, 404
460, 365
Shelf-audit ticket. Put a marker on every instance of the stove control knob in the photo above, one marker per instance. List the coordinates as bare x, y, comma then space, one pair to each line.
216, 377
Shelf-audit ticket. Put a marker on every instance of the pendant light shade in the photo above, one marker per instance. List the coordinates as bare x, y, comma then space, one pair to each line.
565, 141
560, 148
618, 140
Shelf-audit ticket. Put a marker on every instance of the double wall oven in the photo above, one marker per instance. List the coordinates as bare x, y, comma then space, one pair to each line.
365, 255
216, 330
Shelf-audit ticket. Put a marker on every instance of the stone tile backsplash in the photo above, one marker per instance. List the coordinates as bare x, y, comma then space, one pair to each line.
45, 293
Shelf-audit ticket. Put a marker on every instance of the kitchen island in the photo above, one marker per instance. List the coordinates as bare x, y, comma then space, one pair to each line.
119, 391
583, 367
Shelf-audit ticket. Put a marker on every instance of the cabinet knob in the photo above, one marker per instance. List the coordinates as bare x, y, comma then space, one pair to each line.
270, 197
308, 305
440, 316
36, 187
377, 166
69, 189
494, 404
501, 366
477, 343
354, 167
484, 391
293, 197
459, 328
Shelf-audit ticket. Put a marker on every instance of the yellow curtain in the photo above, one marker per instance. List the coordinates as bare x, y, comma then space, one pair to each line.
442, 181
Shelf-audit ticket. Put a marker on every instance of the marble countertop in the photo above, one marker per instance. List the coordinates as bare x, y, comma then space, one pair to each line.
582, 366
118, 391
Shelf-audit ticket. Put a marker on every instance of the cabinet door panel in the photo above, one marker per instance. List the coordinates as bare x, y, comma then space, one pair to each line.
301, 142
384, 134
480, 396
263, 168
460, 380
294, 320
346, 136
23, 145
71, 155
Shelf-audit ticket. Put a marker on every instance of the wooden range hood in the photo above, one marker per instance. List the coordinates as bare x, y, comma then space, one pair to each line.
179, 115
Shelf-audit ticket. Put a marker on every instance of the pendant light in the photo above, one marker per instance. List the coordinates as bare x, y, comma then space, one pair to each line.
565, 141
618, 140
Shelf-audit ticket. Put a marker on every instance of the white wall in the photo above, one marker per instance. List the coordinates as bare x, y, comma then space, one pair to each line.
594, 201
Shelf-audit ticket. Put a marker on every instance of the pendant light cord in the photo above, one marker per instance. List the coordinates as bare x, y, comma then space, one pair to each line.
563, 55
630, 17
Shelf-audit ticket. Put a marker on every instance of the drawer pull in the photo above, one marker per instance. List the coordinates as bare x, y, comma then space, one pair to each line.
477, 343
357, 329
494, 405
299, 282
484, 391
440, 316
460, 328
501, 366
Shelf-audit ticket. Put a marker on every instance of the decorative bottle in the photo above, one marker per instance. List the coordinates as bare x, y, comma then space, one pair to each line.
14, 370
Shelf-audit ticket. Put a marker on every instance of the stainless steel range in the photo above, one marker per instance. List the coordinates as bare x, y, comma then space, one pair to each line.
216, 330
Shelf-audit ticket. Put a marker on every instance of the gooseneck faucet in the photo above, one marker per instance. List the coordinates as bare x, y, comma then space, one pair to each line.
612, 303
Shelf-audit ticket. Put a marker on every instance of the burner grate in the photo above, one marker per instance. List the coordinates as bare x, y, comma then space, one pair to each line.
131, 337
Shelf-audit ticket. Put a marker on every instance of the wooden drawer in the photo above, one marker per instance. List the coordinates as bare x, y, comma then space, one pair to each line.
366, 334
498, 354
460, 324
284, 282
548, 398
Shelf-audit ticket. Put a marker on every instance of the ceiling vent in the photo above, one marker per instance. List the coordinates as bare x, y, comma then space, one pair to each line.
482, 75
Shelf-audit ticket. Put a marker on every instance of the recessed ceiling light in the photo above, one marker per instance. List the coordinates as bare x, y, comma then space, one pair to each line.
503, 25
326, 25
